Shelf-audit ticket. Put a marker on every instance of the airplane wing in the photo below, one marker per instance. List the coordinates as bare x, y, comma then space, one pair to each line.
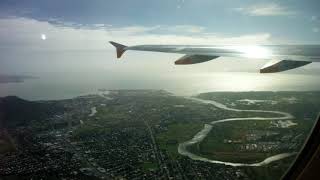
199, 54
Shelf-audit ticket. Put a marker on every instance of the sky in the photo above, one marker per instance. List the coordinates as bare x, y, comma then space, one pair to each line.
42, 37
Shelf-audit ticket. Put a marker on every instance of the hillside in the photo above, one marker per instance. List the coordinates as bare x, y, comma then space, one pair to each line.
16, 112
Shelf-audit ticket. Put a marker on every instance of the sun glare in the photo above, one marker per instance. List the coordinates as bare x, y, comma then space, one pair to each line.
43, 37
255, 52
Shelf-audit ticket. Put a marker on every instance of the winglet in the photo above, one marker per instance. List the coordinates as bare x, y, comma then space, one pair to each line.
120, 48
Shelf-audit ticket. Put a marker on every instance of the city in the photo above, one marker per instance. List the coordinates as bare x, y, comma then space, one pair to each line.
134, 134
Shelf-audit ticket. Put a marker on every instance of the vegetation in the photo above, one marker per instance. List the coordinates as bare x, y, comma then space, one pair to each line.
89, 130
18, 112
147, 166
178, 133
6, 143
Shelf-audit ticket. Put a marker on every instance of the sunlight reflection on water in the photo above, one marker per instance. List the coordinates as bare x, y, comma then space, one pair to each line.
60, 86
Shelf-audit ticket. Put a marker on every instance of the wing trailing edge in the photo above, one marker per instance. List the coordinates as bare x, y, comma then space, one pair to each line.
282, 65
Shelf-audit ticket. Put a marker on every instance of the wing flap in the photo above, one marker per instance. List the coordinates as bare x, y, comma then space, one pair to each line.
282, 65
194, 59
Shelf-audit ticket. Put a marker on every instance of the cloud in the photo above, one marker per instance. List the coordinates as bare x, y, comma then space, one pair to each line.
265, 9
69, 49
26, 33
184, 28
314, 18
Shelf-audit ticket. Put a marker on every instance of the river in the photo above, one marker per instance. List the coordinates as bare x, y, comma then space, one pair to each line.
183, 150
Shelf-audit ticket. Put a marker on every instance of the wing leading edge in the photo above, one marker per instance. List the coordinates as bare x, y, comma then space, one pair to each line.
200, 54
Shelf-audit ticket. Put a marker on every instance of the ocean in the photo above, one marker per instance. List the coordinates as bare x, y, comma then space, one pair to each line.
53, 86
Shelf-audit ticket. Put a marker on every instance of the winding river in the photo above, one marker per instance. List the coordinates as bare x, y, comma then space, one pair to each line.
182, 148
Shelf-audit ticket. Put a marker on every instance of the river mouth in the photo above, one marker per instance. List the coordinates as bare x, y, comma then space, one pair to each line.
184, 148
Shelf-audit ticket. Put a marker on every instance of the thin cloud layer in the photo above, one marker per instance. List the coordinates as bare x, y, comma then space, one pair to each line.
27, 34
163, 17
266, 9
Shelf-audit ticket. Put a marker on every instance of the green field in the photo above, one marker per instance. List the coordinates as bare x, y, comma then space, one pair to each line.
214, 146
178, 132
146, 166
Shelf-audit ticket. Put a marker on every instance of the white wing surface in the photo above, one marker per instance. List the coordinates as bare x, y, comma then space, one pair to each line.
284, 57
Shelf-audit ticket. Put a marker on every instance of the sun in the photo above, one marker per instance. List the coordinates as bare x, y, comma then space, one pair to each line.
43, 37
255, 52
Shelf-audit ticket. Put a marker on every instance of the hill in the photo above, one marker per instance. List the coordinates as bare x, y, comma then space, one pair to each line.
16, 112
